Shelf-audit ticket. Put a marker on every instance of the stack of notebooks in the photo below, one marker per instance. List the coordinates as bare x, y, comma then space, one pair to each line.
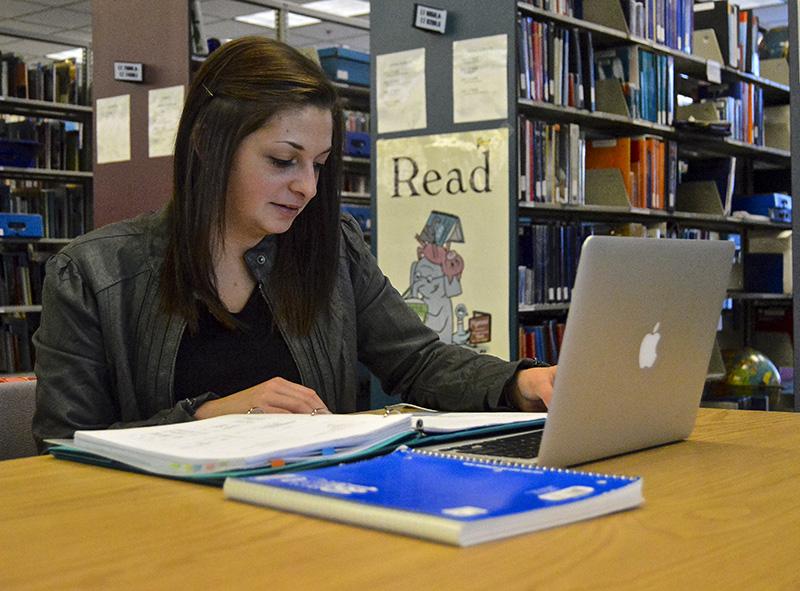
369, 470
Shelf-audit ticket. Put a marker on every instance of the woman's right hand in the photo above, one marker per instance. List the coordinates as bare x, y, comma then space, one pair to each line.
273, 396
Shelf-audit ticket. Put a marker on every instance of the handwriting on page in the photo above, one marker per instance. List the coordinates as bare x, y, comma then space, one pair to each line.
244, 435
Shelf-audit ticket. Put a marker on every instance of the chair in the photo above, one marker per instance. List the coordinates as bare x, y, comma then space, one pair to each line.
17, 402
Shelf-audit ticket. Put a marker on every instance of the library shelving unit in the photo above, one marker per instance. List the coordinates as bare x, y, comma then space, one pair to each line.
754, 162
42, 185
794, 78
356, 169
355, 98
757, 166
355, 190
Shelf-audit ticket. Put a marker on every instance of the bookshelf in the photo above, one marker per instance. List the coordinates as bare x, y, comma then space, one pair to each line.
46, 170
794, 74
393, 32
355, 194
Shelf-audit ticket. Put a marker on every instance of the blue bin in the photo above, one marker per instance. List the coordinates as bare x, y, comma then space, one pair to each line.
356, 143
21, 153
28, 225
345, 65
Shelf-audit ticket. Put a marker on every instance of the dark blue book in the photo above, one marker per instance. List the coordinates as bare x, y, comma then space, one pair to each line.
442, 498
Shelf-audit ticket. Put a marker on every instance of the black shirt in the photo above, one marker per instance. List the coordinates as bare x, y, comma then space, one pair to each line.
220, 360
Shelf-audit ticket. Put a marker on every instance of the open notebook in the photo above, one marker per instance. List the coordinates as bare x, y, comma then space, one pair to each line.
213, 448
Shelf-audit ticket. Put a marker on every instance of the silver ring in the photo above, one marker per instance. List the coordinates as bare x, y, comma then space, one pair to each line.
254, 410
315, 411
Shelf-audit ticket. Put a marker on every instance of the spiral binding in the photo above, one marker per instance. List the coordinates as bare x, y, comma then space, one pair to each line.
507, 464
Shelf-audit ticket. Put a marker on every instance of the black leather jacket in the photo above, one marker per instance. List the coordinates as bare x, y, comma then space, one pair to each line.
105, 352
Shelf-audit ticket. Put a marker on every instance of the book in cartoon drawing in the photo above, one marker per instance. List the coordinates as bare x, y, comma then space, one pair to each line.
435, 279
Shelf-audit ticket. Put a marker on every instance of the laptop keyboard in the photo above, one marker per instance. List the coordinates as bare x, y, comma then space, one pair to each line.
522, 445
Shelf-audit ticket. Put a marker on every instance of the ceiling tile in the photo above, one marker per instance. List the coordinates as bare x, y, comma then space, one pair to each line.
84, 6
15, 8
52, 3
24, 27
356, 43
71, 19
775, 16
58, 17
328, 31
84, 34
227, 8
228, 29
28, 47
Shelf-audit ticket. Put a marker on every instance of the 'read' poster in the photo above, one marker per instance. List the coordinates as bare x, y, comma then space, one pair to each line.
443, 232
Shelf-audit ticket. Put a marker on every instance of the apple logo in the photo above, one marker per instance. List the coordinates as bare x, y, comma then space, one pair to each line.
647, 350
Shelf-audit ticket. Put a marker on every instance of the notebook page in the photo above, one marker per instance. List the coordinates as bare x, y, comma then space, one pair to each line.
446, 422
242, 437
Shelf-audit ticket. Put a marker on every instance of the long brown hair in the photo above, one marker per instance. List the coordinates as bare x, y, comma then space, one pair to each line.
240, 87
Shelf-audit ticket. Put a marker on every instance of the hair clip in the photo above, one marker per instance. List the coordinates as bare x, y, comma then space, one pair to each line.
211, 94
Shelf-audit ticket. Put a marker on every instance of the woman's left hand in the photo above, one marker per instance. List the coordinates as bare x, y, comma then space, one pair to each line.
534, 388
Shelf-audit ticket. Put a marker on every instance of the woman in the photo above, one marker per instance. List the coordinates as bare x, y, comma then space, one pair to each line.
249, 292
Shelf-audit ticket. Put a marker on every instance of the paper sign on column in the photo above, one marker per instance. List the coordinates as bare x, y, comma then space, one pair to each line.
114, 129
443, 215
480, 89
164, 107
400, 82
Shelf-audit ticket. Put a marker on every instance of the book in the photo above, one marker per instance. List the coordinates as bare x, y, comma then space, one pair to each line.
445, 499
611, 153
261, 442
722, 17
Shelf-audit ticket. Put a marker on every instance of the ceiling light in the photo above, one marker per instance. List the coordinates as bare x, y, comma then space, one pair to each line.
340, 7
267, 19
745, 4
76, 53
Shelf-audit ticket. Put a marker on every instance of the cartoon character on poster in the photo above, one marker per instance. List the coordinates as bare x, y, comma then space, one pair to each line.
435, 279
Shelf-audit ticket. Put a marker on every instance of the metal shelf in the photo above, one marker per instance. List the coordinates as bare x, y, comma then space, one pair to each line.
645, 216
32, 241
44, 174
700, 145
357, 198
20, 309
543, 308
685, 63
356, 160
46, 109
357, 95
767, 298
617, 125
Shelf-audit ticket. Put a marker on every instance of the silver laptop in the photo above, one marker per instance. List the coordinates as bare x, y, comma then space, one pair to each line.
636, 349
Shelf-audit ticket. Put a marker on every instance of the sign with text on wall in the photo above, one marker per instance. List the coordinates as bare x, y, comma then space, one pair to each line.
443, 232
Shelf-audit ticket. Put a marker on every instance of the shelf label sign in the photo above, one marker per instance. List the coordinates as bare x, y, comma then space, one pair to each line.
128, 72
431, 19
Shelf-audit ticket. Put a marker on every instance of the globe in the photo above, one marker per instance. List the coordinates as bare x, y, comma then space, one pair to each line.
752, 370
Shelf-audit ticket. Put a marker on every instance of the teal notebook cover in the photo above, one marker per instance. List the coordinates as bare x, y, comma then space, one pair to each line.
442, 498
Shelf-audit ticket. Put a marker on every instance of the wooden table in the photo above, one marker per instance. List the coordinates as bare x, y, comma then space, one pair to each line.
722, 511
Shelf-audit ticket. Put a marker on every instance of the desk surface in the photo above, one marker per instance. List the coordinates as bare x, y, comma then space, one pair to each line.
721, 512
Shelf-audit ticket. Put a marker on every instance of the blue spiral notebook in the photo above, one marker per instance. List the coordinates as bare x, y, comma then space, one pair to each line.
442, 498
